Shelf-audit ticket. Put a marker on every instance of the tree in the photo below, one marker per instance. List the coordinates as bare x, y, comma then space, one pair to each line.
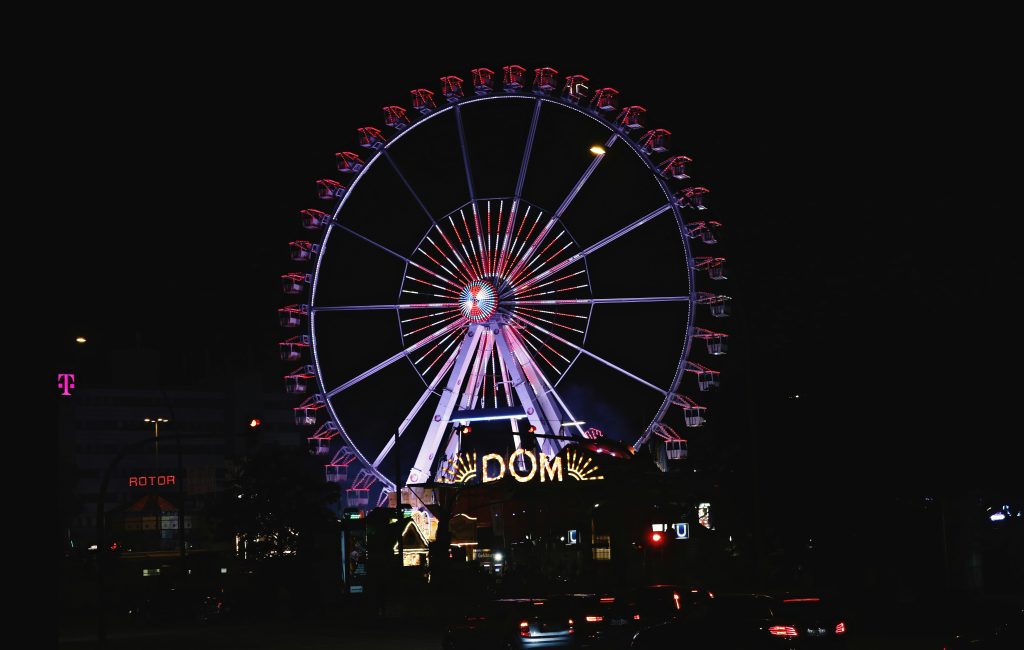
279, 502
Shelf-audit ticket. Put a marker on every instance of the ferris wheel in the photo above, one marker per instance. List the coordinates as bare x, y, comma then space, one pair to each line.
495, 296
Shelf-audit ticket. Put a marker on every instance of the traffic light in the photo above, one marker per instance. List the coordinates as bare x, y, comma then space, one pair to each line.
656, 538
467, 429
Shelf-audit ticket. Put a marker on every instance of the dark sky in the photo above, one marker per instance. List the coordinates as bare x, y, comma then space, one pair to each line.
858, 201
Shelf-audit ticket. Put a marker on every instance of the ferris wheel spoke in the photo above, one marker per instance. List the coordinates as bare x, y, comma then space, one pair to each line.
550, 388
599, 245
598, 301
390, 360
416, 196
587, 173
542, 413
535, 264
421, 305
465, 153
421, 468
374, 243
526, 155
590, 354
416, 407
584, 178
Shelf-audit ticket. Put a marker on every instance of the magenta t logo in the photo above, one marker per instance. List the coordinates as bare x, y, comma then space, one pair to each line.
65, 382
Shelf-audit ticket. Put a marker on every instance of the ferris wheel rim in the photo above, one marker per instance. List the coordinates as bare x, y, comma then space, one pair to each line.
455, 106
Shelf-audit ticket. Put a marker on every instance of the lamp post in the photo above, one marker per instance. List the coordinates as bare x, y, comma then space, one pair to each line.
156, 435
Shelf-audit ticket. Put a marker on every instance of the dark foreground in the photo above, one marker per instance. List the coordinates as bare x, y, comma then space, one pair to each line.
383, 634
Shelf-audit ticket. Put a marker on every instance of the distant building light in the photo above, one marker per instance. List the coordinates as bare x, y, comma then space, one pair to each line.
80, 339
997, 516
93, 547
223, 569
498, 557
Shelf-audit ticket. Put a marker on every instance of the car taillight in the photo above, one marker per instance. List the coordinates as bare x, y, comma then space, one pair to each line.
571, 631
595, 619
841, 628
524, 628
782, 630
636, 617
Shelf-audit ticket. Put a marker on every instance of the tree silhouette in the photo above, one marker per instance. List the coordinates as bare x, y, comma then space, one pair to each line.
278, 502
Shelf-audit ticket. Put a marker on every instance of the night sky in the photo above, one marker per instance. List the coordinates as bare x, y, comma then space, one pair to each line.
858, 203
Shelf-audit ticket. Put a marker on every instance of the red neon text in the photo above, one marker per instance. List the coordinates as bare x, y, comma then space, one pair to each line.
146, 481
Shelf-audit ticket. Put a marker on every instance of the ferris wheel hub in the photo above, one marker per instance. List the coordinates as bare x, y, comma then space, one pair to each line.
478, 300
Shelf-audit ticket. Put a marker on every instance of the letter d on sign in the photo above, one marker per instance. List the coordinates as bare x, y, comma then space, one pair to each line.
484, 477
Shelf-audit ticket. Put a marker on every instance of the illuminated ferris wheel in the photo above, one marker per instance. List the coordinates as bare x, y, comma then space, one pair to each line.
495, 298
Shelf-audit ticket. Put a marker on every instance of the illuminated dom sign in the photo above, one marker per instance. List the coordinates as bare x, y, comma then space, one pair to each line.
523, 465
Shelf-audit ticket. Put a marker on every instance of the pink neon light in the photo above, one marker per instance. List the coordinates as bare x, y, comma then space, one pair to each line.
66, 382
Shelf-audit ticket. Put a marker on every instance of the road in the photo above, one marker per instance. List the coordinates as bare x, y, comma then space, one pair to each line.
261, 637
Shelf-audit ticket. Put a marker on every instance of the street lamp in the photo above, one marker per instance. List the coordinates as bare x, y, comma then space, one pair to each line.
156, 433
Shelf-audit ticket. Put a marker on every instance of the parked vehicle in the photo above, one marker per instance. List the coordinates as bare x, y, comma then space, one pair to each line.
512, 623
601, 620
751, 621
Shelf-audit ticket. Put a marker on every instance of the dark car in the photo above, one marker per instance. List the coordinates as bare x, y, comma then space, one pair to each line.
658, 604
600, 620
751, 621
512, 623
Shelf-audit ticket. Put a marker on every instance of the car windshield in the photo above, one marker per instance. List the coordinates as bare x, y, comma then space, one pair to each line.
744, 607
806, 610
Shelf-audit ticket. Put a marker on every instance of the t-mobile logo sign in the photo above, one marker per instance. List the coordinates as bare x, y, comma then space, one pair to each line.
65, 382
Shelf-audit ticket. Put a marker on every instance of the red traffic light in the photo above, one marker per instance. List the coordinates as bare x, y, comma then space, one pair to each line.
657, 537
467, 429
531, 429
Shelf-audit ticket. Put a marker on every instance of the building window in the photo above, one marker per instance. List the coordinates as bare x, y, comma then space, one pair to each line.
602, 547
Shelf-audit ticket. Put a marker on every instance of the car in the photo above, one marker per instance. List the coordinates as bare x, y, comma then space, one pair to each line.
512, 623
662, 603
601, 620
752, 621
